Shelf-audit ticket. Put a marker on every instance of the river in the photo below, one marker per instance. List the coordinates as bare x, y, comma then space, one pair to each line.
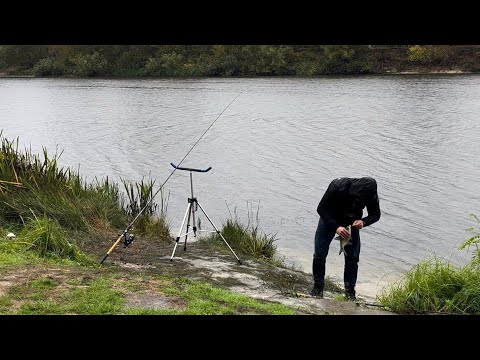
274, 151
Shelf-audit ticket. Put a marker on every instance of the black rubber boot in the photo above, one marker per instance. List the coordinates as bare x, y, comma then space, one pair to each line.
350, 279
350, 294
318, 270
317, 290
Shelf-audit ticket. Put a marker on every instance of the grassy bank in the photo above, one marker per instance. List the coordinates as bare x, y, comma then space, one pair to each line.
47, 204
34, 186
435, 286
45, 210
70, 289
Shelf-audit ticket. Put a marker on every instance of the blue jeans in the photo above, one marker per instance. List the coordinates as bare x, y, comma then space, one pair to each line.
323, 237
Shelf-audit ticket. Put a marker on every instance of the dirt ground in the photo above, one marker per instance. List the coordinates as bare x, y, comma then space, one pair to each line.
203, 262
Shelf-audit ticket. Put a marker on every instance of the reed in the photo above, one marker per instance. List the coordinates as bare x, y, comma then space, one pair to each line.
153, 219
35, 189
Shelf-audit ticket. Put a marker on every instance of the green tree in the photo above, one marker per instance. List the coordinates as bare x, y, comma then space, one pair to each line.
164, 65
429, 54
93, 64
336, 57
23, 56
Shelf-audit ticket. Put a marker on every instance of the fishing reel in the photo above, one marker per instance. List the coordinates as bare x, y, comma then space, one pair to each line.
127, 239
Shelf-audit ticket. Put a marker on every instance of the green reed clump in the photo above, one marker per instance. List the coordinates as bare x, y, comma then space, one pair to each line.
428, 287
46, 238
140, 196
46, 203
31, 183
247, 239
473, 241
435, 286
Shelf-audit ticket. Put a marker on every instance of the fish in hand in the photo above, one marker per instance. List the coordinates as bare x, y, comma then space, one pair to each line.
344, 242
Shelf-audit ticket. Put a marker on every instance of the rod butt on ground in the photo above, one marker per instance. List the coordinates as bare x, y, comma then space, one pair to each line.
101, 262
240, 262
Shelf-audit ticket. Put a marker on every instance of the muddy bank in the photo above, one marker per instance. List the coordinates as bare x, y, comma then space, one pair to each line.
203, 262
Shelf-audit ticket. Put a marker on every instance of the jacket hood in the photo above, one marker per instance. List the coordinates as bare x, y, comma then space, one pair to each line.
364, 188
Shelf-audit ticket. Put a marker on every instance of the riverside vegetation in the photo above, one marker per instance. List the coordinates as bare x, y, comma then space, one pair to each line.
61, 223
232, 60
435, 286
49, 207
56, 215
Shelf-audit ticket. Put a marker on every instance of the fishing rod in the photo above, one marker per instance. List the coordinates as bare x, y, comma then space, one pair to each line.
129, 237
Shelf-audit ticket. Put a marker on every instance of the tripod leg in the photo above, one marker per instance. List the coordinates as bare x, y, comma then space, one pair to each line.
180, 231
218, 232
194, 200
188, 227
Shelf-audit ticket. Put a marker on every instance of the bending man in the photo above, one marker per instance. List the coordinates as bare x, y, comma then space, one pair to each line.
342, 205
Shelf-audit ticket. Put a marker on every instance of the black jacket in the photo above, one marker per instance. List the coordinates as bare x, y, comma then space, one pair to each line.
345, 199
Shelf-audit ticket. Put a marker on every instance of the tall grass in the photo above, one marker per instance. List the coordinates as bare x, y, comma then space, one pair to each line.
474, 241
153, 219
34, 187
140, 195
435, 286
31, 183
47, 238
247, 239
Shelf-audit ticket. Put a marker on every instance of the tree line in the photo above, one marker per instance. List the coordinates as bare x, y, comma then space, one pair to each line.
230, 60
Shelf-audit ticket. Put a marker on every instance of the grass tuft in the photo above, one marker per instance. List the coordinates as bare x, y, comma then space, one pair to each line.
435, 286
248, 239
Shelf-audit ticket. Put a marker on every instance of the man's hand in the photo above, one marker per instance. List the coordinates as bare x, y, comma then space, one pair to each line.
343, 233
357, 224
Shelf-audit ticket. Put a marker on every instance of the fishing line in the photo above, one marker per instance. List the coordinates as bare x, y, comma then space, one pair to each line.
125, 235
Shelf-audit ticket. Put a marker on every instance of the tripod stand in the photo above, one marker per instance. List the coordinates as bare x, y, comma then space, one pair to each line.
191, 209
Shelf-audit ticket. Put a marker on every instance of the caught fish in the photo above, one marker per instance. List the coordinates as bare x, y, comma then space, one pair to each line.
343, 242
